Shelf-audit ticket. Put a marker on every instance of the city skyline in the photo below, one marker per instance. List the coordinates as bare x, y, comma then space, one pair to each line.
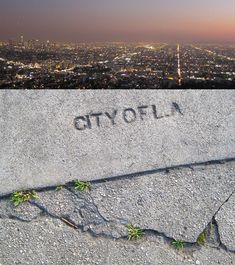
34, 64
128, 21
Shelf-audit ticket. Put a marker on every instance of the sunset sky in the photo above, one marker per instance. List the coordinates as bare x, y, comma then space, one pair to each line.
123, 20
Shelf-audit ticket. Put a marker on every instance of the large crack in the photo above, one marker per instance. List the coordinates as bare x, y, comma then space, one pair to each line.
96, 207
224, 203
141, 173
165, 169
147, 232
224, 240
66, 219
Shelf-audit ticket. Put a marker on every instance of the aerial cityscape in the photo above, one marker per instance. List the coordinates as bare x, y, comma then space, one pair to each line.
35, 64
124, 44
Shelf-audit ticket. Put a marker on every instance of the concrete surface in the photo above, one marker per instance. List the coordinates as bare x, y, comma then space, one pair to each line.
48, 241
226, 221
66, 226
50, 137
179, 203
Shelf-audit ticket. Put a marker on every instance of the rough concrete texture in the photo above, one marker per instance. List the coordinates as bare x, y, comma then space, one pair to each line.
66, 226
79, 208
41, 145
226, 223
24, 212
48, 241
179, 203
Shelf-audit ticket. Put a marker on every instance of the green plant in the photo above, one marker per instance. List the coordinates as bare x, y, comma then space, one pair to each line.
202, 238
82, 185
59, 188
178, 244
21, 196
134, 233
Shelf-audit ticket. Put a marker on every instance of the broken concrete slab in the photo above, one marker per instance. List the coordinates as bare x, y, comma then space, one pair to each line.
61, 203
79, 209
50, 137
179, 203
49, 241
226, 223
24, 212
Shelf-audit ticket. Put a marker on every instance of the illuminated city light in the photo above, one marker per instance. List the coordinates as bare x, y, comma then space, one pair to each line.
48, 64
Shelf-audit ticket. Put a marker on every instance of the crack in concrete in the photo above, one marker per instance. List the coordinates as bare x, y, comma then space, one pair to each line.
224, 203
90, 202
12, 217
168, 240
147, 232
87, 202
141, 173
165, 169
221, 245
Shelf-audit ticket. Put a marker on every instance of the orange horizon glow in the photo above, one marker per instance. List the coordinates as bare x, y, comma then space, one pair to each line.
128, 20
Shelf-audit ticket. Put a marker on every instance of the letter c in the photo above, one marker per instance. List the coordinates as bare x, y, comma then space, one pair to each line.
81, 123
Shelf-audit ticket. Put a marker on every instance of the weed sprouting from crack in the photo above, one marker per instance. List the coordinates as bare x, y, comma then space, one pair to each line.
82, 185
134, 233
178, 244
21, 196
202, 239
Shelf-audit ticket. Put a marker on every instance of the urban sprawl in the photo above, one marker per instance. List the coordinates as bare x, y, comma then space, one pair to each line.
46, 64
